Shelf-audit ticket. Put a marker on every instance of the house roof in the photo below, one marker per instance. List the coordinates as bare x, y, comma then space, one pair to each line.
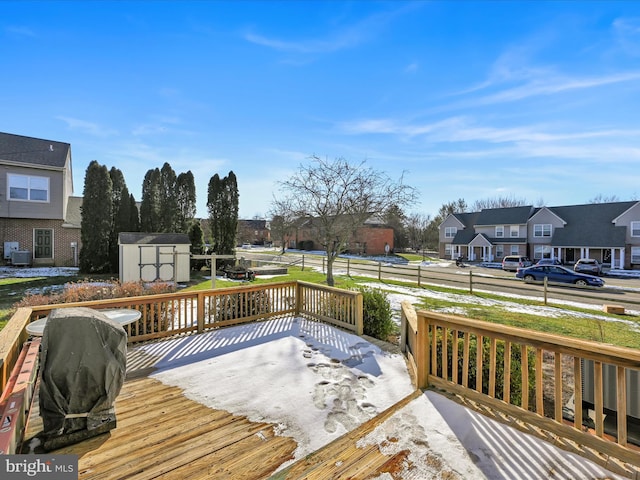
254, 223
590, 225
138, 238
464, 237
504, 216
33, 151
467, 219
73, 217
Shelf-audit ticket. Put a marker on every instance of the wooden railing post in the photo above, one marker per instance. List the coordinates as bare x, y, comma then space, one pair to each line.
359, 311
298, 300
200, 312
423, 354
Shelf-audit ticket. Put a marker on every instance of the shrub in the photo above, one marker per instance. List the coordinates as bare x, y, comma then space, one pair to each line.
88, 290
241, 305
378, 321
157, 318
515, 391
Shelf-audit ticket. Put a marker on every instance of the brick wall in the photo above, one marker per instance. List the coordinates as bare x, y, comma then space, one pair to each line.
368, 240
21, 231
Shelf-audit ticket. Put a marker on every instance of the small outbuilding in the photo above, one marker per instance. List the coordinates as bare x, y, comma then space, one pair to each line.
152, 257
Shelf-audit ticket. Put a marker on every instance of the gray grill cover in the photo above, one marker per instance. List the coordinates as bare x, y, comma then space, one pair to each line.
83, 364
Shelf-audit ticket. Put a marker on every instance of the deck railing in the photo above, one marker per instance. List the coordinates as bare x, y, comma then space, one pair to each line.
170, 314
522, 373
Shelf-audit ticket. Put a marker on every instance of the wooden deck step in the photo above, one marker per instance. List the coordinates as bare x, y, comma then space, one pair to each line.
342, 458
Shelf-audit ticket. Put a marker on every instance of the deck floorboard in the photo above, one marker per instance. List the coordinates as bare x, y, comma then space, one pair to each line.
162, 434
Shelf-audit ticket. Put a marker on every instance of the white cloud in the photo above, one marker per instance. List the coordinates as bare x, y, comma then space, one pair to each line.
20, 31
89, 128
344, 37
627, 33
552, 86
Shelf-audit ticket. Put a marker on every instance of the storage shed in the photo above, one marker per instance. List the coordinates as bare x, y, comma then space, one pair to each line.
154, 256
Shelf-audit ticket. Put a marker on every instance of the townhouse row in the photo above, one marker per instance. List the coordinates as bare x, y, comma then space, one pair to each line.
607, 232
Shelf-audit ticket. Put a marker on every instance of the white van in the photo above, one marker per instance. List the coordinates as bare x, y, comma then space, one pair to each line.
513, 262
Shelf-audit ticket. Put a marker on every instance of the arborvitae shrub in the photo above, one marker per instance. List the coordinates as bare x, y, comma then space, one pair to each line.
378, 321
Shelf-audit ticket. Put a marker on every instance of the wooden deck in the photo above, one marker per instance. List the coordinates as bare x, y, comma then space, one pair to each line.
162, 434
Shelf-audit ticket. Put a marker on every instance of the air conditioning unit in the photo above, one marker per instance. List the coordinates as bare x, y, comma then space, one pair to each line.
609, 391
10, 247
21, 257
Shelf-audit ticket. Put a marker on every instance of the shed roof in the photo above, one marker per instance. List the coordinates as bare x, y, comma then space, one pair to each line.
139, 238
33, 151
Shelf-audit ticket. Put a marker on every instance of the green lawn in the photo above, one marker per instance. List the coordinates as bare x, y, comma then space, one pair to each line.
619, 330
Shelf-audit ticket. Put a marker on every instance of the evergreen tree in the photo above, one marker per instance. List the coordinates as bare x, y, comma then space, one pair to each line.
95, 227
396, 219
168, 213
119, 218
222, 203
134, 215
186, 200
150, 218
196, 237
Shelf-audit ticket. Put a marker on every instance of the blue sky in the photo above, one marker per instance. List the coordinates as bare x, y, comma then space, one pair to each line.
473, 100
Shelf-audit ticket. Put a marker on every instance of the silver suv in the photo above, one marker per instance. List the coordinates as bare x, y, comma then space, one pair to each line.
514, 262
588, 265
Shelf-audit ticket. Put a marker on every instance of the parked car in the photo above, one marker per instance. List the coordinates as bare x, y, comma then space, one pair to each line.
588, 265
548, 261
513, 262
556, 273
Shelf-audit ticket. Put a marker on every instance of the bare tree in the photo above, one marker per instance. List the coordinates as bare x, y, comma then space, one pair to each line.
283, 219
604, 199
340, 197
417, 228
498, 202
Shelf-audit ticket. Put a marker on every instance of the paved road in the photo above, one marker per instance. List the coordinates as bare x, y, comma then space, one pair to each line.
618, 291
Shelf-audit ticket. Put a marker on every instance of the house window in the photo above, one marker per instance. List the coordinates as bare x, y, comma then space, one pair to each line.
635, 229
635, 255
541, 251
28, 188
515, 250
447, 250
499, 251
43, 241
514, 231
450, 232
499, 231
542, 230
